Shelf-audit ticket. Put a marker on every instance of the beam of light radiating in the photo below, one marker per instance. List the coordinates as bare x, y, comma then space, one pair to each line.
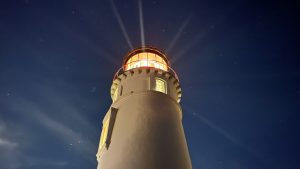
187, 48
178, 34
87, 42
141, 22
201, 35
228, 136
119, 19
221, 131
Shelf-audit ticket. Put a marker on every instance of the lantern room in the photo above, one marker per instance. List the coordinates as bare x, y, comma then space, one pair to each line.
145, 57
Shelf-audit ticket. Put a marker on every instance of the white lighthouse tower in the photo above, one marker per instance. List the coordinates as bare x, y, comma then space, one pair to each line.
143, 127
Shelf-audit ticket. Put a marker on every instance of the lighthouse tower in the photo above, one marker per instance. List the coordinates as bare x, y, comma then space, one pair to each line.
142, 129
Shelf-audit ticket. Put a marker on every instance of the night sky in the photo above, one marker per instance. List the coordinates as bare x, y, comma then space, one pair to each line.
238, 64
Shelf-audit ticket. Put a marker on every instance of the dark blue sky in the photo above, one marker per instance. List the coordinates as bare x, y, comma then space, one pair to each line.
238, 64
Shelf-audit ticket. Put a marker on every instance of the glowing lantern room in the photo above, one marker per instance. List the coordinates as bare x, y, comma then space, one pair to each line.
146, 57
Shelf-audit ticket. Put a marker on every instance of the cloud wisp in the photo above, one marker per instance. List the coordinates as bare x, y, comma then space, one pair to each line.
7, 143
69, 135
9, 147
54, 116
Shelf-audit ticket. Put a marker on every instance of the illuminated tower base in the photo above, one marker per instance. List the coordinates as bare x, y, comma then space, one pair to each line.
143, 129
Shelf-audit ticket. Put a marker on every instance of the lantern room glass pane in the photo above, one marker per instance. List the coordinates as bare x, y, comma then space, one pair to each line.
146, 59
143, 56
159, 59
135, 58
151, 57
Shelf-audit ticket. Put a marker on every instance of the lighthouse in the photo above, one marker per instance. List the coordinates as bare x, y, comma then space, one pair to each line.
143, 127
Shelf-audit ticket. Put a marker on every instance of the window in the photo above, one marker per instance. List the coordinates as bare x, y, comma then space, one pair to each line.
107, 129
121, 91
104, 133
160, 85
115, 94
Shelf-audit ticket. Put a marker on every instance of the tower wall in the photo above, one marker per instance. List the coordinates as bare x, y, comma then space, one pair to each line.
147, 134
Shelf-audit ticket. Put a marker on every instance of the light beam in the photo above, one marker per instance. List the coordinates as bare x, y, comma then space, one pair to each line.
187, 48
119, 19
178, 34
141, 23
222, 132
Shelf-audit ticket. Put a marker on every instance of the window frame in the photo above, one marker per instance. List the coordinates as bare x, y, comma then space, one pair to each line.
164, 83
107, 129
